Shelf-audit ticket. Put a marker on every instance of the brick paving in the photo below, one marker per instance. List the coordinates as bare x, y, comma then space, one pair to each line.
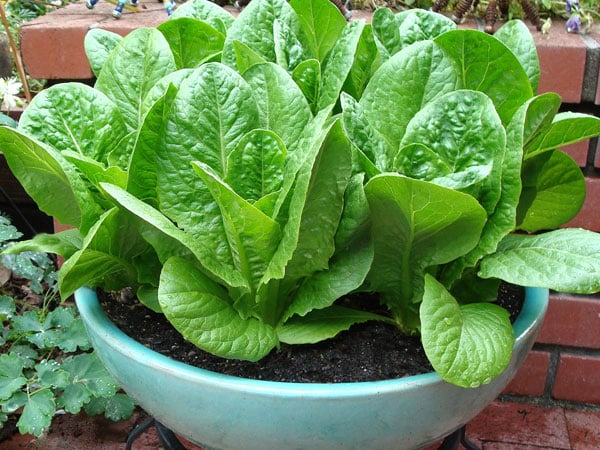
501, 426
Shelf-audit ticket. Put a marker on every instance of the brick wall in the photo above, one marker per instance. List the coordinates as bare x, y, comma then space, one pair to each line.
564, 365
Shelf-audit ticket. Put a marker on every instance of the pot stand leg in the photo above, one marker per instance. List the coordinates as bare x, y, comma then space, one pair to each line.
459, 437
170, 442
137, 431
167, 438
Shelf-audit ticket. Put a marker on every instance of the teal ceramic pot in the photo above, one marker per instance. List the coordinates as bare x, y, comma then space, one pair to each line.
226, 412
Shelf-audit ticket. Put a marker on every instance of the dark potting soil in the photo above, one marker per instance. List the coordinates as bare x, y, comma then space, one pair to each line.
367, 352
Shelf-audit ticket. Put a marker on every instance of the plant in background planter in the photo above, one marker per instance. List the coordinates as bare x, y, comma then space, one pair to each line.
243, 175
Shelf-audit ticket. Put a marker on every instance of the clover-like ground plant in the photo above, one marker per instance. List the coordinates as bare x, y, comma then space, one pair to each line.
47, 366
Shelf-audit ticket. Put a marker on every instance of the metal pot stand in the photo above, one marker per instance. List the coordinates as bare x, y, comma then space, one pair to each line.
169, 440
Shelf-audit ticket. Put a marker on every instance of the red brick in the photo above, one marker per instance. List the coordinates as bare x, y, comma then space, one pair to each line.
52, 45
578, 151
89, 432
577, 379
520, 424
572, 320
562, 60
584, 429
531, 377
58, 227
55, 50
589, 215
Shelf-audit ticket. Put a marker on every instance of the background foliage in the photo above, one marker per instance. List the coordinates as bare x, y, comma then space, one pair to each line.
547, 8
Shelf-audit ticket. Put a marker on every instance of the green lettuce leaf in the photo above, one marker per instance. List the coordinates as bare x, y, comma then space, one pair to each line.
413, 231
168, 240
192, 42
205, 11
565, 260
202, 312
213, 109
282, 106
337, 65
460, 139
366, 59
350, 263
403, 85
566, 128
550, 179
322, 200
490, 67
255, 27
126, 83
322, 324
394, 32
47, 176
467, 345
109, 256
251, 235
322, 23
307, 76
517, 37
143, 174
98, 43
89, 123
255, 167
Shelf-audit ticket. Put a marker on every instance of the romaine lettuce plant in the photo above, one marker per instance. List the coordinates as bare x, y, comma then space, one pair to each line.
262, 213
244, 174
453, 112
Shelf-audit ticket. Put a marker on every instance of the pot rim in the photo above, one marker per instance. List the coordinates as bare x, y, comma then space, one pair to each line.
532, 313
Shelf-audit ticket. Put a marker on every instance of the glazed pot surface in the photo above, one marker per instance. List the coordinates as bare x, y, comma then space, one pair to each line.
226, 412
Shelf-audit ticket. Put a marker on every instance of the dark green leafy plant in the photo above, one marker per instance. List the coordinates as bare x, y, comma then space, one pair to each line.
255, 242
46, 365
242, 175
439, 119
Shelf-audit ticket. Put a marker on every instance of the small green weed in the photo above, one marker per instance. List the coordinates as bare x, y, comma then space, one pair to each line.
46, 362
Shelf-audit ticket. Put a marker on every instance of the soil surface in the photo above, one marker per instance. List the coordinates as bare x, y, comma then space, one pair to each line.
366, 352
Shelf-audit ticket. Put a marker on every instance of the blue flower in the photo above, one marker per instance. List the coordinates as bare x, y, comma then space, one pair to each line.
574, 23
